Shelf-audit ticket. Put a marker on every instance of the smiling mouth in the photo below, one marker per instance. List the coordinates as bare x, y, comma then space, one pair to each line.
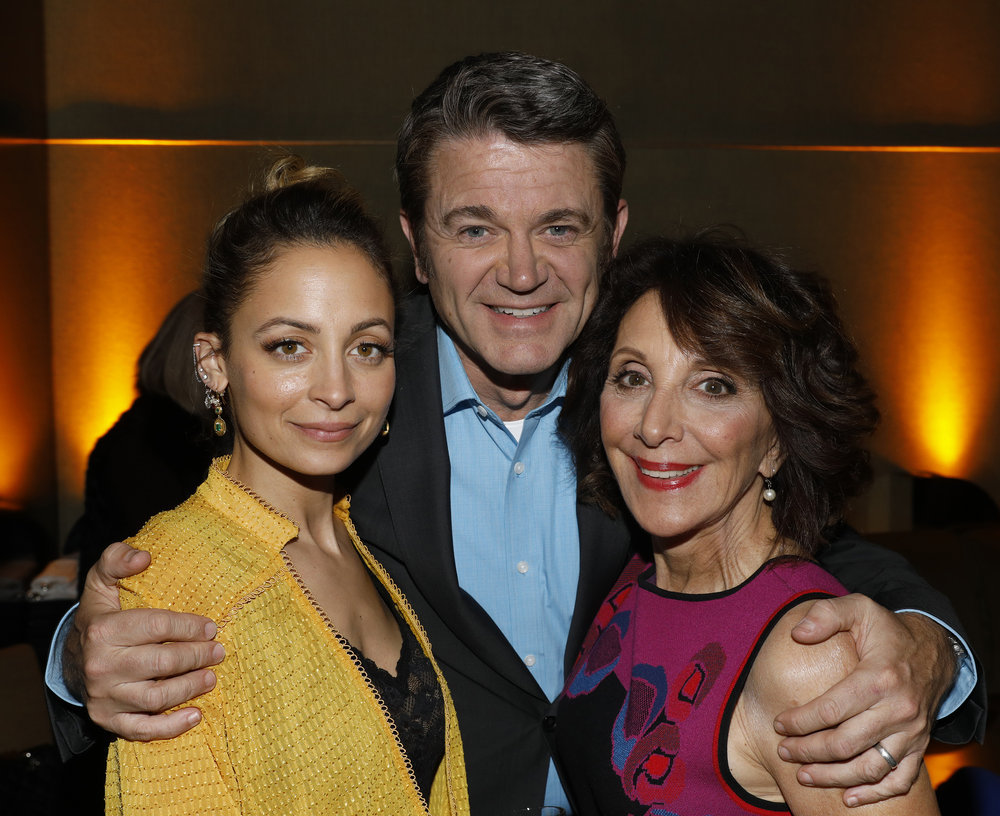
328, 432
667, 474
505, 310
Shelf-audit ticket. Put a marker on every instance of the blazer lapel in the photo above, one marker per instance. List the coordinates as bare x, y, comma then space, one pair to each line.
415, 473
604, 550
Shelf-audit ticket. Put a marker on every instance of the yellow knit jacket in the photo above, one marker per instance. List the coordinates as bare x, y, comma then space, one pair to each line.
294, 725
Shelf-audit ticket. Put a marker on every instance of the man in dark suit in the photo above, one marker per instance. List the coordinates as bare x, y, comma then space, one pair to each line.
510, 173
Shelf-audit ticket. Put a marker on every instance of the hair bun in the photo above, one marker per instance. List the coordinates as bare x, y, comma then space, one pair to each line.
290, 169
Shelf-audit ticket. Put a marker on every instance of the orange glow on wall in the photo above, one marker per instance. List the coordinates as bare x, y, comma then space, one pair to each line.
912, 233
946, 339
946, 414
942, 764
19, 447
939, 308
104, 306
126, 244
27, 458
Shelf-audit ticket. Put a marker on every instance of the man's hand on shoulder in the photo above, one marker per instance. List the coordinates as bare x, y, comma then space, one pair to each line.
905, 667
130, 666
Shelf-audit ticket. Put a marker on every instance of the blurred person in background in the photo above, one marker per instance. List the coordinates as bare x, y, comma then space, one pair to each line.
157, 452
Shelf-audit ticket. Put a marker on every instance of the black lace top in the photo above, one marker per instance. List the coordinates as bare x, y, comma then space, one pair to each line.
415, 703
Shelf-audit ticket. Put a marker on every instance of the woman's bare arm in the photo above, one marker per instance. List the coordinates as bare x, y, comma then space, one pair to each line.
787, 674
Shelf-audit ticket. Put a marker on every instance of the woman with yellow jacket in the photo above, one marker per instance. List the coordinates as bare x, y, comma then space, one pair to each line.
328, 700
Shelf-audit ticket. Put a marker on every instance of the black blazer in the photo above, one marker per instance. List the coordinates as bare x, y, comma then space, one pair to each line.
400, 504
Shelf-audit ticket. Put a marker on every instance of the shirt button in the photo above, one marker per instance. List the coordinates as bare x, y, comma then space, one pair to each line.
481, 410
529, 660
519, 468
522, 567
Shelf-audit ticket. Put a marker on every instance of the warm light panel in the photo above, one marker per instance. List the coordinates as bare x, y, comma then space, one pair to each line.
127, 226
940, 334
107, 300
940, 305
20, 443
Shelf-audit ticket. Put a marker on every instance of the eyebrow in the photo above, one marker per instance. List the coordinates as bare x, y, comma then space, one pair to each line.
309, 327
287, 321
479, 211
371, 323
483, 213
567, 214
627, 351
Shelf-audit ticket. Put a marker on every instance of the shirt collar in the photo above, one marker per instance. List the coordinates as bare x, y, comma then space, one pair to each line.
457, 392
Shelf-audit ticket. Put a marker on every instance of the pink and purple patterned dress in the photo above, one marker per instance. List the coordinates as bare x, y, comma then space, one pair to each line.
643, 720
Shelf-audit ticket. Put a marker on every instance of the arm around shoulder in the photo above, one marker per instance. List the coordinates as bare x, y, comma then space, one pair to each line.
787, 674
133, 664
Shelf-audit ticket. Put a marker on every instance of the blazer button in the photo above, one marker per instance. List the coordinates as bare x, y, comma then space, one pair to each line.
549, 723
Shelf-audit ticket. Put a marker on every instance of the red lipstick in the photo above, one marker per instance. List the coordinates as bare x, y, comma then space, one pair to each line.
665, 475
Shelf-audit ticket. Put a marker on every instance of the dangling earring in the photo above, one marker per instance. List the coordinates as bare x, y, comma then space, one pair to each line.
769, 493
213, 401
385, 430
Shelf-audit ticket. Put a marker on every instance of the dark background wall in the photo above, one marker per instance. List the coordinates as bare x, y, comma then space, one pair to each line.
863, 137
27, 446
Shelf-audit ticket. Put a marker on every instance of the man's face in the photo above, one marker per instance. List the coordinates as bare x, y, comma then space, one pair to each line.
511, 251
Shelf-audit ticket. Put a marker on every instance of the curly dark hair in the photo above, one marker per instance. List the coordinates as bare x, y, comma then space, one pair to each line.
749, 313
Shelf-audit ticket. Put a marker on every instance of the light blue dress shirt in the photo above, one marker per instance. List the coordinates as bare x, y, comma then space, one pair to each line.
514, 528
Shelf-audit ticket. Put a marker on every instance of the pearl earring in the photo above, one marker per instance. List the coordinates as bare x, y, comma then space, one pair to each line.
769, 493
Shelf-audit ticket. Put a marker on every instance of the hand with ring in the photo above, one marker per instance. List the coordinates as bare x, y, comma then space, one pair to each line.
886, 756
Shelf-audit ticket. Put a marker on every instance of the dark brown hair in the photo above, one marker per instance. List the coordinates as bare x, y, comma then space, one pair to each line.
749, 313
164, 367
295, 205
